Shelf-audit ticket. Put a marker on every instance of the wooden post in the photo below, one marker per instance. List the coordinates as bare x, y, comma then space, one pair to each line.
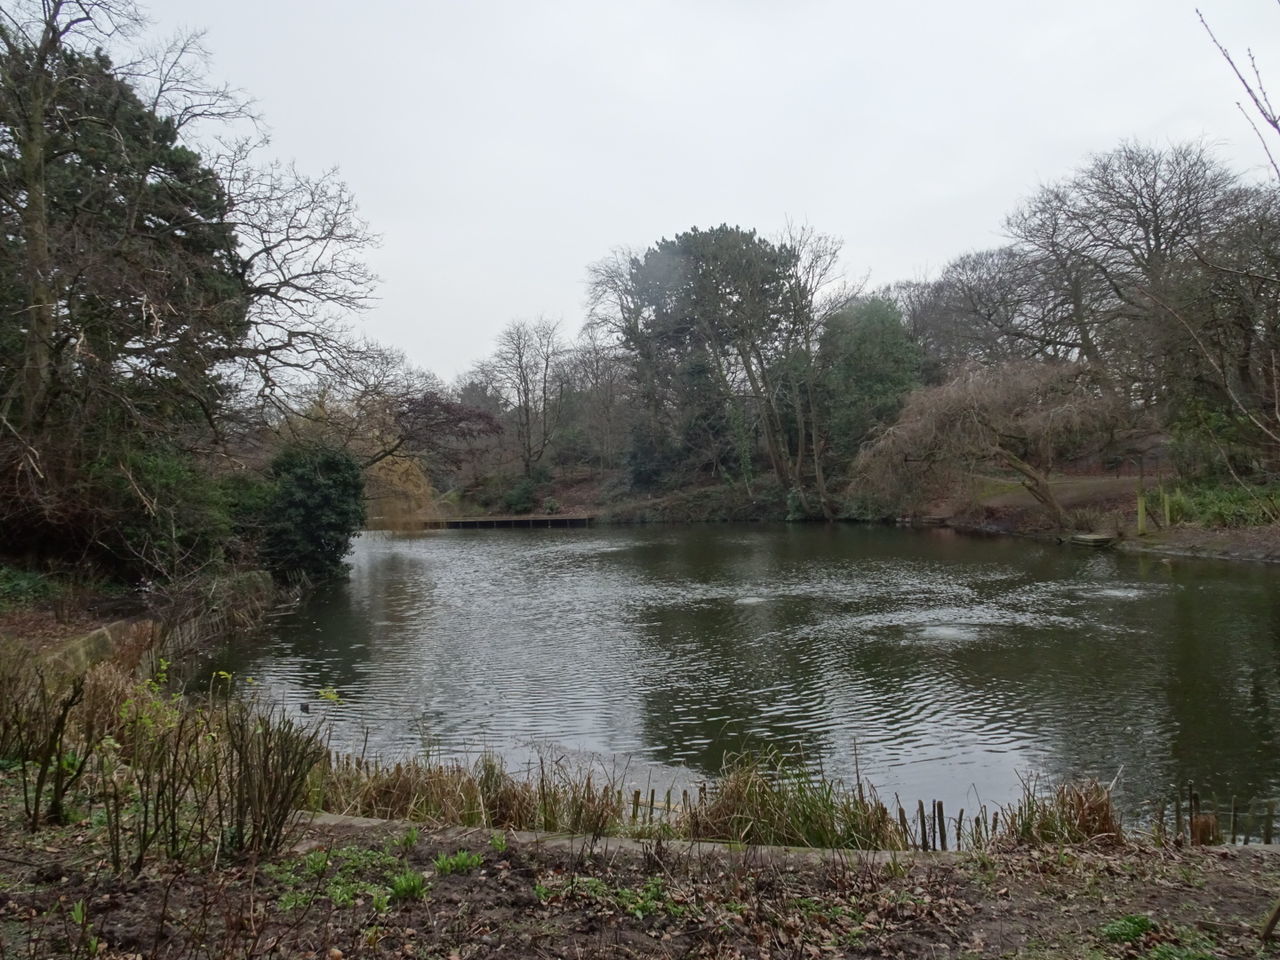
960, 829
924, 826
635, 806
1233, 819
1270, 928
941, 819
1177, 814
1268, 820
902, 824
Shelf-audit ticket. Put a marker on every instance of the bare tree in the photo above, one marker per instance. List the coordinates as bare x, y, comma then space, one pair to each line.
599, 370
816, 290
528, 368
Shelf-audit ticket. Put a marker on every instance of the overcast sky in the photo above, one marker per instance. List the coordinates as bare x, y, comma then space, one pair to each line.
500, 147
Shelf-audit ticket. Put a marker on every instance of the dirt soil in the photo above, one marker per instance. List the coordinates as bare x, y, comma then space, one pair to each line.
332, 898
1245, 543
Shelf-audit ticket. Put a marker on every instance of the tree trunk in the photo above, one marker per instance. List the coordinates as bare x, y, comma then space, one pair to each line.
30, 389
1037, 484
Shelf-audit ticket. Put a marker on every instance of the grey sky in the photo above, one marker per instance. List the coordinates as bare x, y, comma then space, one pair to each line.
499, 147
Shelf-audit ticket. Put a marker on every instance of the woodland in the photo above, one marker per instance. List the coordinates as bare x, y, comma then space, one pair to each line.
183, 386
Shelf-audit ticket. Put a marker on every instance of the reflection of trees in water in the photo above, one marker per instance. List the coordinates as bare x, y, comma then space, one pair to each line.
718, 696
343, 634
1162, 683
1180, 679
716, 693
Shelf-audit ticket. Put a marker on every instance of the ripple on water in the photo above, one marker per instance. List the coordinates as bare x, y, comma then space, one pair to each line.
933, 666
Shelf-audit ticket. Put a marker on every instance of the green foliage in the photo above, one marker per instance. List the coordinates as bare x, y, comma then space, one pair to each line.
1128, 929
464, 861
521, 497
649, 899
550, 505
408, 886
498, 841
1227, 504
161, 515
21, 588
1179, 951
871, 364
650, 457
316, 509
343, 875
795, 506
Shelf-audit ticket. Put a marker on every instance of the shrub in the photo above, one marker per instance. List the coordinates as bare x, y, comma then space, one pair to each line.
157, 512
520, 498
19, 588
1218, 505
315, 510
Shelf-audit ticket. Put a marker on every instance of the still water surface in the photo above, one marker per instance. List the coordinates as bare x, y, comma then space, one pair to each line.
933, 664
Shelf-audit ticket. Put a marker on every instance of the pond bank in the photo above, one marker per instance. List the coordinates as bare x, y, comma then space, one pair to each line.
346, 892
179, 627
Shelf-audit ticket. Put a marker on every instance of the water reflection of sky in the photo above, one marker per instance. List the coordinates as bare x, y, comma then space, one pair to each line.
933, 665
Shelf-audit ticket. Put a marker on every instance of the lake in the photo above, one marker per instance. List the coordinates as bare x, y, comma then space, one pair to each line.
932, 664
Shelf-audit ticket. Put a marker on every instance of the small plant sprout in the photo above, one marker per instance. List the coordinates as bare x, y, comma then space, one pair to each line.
408, 840
464, 861
329, 694
498, 841
407, 886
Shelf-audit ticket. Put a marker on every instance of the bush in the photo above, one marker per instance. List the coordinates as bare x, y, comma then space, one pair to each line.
520, 498
20, 588
316, 508
158, 513
1218, 505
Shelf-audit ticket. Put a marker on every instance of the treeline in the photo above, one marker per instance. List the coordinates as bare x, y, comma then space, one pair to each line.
716, 356
179, 390
1134, 313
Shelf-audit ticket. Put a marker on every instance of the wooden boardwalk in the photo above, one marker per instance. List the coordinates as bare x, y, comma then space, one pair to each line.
526, 520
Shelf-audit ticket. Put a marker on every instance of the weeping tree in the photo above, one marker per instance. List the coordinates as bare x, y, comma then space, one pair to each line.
1018, 418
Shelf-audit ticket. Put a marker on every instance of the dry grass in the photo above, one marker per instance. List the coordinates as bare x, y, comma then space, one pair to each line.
765, 801
557, 798
1075, 812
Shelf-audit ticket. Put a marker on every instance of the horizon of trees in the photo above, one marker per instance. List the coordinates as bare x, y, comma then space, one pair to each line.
175, 313
1148, 279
